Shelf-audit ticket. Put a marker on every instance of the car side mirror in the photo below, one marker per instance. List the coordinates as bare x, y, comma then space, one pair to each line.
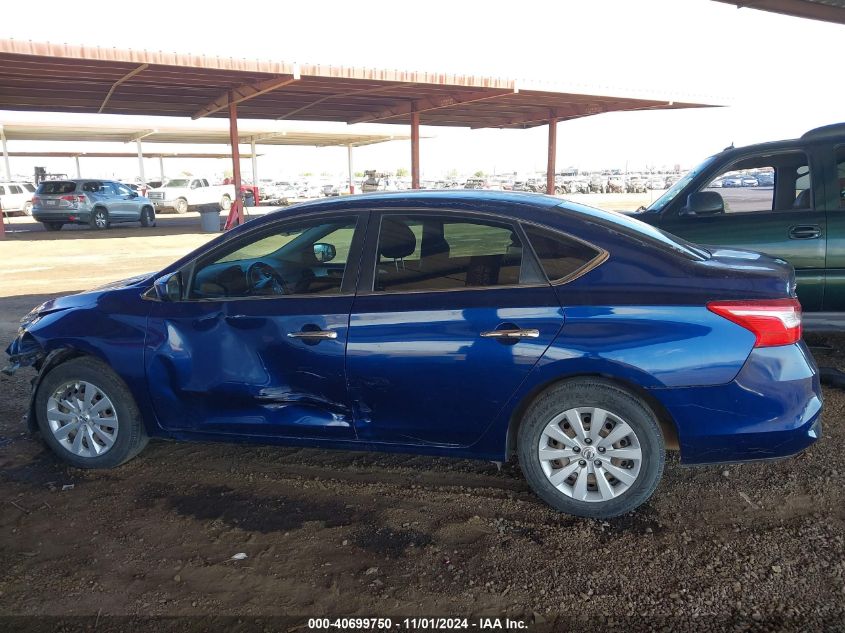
324, 252
703, 203
133, 194
169, 287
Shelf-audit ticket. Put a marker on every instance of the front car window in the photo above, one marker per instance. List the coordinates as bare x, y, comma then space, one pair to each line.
779, 182
306, 258
432, 253
178, 182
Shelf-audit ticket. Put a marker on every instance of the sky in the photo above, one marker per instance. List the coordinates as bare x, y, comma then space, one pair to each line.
776, 75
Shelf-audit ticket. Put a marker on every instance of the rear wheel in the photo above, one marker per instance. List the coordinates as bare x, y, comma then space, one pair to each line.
590, 448
53, 226
148, 217
99, 219
181, 206
27, 208
87, 415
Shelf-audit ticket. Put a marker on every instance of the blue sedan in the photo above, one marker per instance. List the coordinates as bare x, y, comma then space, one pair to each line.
467, 324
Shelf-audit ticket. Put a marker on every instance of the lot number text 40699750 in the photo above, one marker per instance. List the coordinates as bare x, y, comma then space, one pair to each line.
416, 624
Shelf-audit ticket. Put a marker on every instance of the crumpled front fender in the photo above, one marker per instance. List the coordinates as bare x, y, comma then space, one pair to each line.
23, 351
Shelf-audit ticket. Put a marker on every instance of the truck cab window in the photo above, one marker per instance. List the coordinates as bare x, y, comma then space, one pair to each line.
780, 182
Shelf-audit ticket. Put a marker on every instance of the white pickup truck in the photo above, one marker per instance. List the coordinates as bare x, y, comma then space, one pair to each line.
183, 193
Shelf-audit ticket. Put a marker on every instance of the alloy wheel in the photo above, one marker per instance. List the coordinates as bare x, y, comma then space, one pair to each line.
82, 418
590, 454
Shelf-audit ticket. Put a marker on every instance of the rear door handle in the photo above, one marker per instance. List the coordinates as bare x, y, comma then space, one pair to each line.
515, 333
313, 335
805, 232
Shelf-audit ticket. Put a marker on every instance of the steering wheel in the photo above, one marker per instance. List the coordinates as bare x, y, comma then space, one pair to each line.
264, 280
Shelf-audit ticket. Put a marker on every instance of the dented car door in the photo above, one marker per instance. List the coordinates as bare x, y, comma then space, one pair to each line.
256, 345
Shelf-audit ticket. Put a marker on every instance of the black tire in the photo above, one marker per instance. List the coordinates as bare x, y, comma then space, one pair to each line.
592, 392
225, 203
99, 219
148, 217
131, 437
181, 206
27, 208
53, 226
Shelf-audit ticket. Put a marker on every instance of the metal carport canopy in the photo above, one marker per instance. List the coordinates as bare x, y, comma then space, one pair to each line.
824, 10
72, 78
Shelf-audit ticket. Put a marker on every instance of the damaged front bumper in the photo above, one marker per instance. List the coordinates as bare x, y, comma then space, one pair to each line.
23, 351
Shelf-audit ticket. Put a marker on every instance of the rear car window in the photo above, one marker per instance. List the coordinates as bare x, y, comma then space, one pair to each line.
56, 186
560, 255
423, 253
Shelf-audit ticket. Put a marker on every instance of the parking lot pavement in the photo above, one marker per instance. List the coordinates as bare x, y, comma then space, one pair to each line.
346, 533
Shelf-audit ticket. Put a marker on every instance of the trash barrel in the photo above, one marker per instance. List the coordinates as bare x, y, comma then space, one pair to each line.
210, 217
249, 198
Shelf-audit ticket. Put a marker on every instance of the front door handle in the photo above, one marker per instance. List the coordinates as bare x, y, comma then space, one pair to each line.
314, 335
515, 333
805, 232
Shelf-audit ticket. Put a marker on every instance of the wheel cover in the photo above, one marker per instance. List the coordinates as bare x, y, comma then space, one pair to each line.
590, 454
100, 219
82, 418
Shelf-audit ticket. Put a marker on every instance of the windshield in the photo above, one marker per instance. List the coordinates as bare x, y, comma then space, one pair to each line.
178, 182
673, 191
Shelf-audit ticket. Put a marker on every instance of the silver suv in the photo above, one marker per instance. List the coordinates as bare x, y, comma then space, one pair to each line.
96, 203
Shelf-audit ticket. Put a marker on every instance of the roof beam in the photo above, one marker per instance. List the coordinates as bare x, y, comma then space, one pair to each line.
541, 116
246, 92
432, 103
125, 77
141, 134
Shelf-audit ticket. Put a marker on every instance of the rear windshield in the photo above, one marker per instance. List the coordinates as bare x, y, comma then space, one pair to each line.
636, 228
56, 186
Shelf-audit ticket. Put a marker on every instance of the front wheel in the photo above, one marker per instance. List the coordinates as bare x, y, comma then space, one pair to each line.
87, 415
225, 203
181, 206
148, 217
590, 448
27, 208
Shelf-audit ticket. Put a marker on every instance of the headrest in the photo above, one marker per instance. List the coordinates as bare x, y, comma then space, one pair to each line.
397, 240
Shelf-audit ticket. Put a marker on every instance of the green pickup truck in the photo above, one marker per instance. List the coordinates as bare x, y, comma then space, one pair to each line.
786, 199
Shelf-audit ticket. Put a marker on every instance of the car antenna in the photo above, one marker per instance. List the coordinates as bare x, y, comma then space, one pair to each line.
731, 146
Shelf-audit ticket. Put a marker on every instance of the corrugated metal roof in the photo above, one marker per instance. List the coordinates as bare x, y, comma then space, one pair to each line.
215, 133
66, 78
825, 10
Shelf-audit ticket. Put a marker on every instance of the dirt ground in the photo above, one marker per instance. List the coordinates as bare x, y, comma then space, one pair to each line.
751, 547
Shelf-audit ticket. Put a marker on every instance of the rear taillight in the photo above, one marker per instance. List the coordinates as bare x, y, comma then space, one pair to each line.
773, 321
75, 199
36, 201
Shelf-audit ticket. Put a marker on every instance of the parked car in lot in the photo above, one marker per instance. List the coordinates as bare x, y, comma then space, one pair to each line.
97, 203
656, 182
180, 194
800, 217
466, 324
16, 197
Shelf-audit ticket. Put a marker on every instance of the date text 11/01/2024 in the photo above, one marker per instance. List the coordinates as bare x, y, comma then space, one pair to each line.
416, 624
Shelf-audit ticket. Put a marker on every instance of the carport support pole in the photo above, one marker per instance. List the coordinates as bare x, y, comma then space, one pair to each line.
5, 155
254, 163
141, 164
415, 150
161, 167
78, 170
349, 168
236, 213
550, 165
